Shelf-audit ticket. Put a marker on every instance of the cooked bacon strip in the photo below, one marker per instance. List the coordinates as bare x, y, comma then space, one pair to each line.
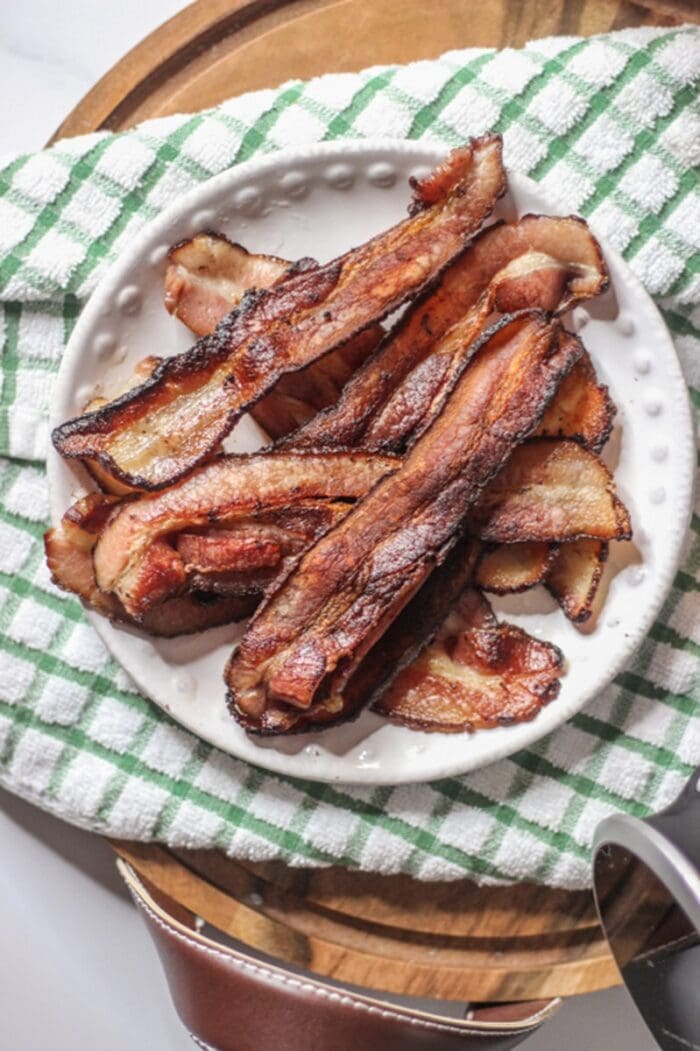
69, 556
298, 396
539, 261
477, 674
551, 490
157, 433
134, 558
207, 277
245, 558
582, 409
575, 575
413, 629
229, 549
260, 542
415, 402
223, 584
509, 568
313, 630
143, 371
412, 407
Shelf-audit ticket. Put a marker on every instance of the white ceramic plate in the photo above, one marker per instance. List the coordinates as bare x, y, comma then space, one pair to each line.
320, 201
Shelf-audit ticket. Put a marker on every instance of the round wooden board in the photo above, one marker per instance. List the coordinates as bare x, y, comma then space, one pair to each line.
444, 940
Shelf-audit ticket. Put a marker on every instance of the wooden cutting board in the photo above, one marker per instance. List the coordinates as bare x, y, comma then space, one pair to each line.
444, 940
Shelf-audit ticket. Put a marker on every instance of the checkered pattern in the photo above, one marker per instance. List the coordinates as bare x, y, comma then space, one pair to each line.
611, 125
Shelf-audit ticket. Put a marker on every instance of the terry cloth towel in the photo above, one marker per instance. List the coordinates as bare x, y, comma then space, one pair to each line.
612, 126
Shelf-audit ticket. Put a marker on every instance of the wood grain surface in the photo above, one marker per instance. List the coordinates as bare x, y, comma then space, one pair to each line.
450, 940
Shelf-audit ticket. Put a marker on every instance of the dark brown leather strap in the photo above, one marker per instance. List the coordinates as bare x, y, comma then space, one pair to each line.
232, 1001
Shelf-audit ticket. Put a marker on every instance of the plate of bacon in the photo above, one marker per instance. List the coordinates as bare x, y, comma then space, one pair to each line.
369, 463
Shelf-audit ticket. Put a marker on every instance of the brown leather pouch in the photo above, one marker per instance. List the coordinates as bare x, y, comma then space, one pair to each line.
232, 1000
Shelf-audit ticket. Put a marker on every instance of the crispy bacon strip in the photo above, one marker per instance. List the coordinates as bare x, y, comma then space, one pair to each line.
416, 401
142, 372
157, 433
461, 681
134, 558
551, 490
69, 556
230, 549
582, 409
227, 569
413, 629
475, 675
575, 575
313, 630
245, 558
509, 568
207, 277
540, 261
298, 396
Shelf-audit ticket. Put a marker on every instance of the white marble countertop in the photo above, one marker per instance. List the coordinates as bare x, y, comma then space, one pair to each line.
77, 969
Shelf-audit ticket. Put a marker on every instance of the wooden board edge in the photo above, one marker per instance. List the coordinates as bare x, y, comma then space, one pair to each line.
347, 963
152, 60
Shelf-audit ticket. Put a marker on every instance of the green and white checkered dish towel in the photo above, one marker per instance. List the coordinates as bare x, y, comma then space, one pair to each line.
612, 126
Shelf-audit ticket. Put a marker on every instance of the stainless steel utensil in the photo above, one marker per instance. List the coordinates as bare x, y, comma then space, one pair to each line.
647, 886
